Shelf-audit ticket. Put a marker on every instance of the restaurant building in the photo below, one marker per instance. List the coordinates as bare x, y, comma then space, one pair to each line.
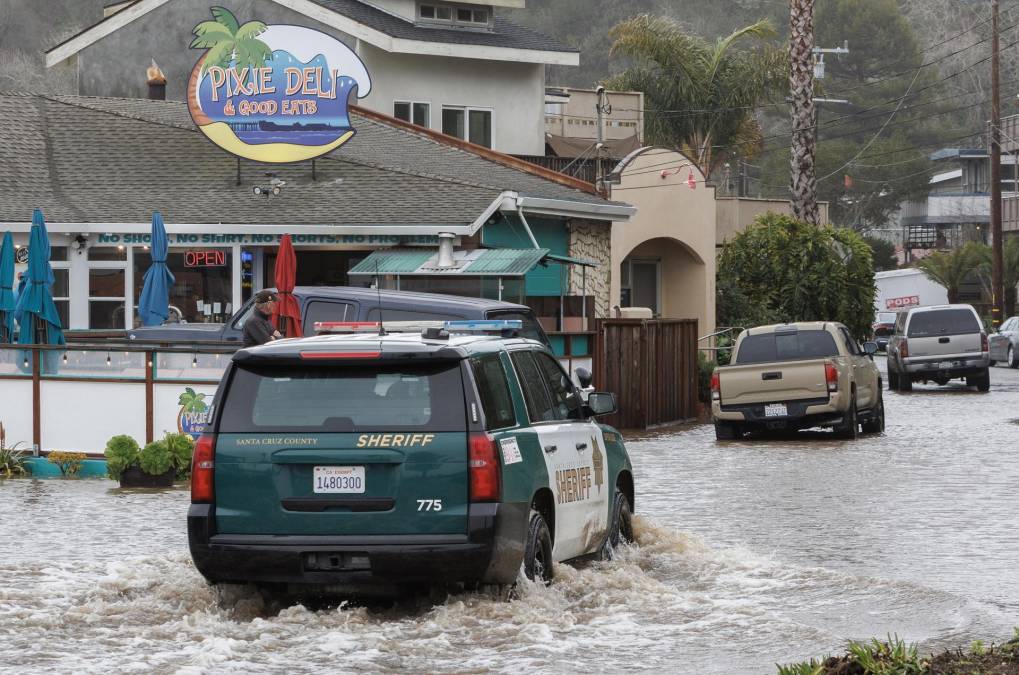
99, 167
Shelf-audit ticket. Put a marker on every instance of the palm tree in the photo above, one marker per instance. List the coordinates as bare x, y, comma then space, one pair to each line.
951, 269
700, 97
230, 42
803, 161
1010, 270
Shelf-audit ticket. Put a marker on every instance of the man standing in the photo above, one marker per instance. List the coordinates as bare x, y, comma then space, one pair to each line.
258, 328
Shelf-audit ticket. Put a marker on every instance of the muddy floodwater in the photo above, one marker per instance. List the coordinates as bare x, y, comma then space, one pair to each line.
748, 554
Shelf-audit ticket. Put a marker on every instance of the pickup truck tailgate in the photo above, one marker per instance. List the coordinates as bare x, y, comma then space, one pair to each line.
764, 382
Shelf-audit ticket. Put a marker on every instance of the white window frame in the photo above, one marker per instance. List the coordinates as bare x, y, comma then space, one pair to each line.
467, 119
63, 265
128, 298
453, 21
412, 103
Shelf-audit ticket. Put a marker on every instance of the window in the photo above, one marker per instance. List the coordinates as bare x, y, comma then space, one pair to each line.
470, 124
559, 386
202, 291
493, 391
344, 399
943, 322
794, 346
106, 287
454, 15
415, 113
322, 310
532, 381
851, 346
385, 314
529, 326
61, 284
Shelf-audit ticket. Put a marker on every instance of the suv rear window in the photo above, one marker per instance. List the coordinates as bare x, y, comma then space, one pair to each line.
493, 391
344, 399
943, 322
801, 345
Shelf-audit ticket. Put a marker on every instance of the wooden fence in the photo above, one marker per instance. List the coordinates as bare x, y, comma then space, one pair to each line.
651, 365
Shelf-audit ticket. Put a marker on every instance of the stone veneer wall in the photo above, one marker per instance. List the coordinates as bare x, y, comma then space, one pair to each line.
591, 239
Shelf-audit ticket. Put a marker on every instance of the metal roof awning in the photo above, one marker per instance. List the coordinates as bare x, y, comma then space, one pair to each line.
489, 262
584, 262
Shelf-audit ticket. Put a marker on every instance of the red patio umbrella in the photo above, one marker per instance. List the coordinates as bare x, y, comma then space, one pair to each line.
287, 316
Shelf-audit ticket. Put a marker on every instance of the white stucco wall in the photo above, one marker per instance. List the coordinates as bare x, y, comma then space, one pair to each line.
515, 92
675, 225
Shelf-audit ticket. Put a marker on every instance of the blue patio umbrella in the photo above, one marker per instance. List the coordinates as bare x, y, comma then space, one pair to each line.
154, 302
7, 288
36, 314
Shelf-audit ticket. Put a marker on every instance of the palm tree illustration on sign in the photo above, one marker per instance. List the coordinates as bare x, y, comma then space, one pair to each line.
228, 41
190, 419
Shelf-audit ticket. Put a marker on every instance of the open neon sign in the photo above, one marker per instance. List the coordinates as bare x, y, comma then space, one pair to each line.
204, 258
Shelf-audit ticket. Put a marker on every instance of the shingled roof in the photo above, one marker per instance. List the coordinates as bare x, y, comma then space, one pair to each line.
105, 160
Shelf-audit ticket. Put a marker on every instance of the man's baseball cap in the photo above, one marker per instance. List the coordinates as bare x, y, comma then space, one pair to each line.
263, 297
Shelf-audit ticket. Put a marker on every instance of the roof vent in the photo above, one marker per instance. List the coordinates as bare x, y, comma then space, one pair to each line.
445, 259
156, 81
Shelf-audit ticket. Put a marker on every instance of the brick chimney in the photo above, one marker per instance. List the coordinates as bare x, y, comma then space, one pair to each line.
156, 82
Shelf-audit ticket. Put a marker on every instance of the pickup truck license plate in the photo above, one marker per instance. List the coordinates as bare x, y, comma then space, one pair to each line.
338, 479
775, 410
946, 365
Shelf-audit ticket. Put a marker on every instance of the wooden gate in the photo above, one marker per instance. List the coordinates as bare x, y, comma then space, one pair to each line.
651, 366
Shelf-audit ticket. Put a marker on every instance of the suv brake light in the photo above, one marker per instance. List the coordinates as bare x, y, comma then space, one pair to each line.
985, 345
831, 377
716, 387
483, 464
203, 470
904, 349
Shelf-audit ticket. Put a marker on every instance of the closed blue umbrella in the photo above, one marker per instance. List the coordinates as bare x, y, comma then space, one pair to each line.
37, 315
7, 288
154, 302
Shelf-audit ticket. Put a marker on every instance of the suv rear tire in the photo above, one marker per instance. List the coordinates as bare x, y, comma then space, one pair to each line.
538, 550
727, 431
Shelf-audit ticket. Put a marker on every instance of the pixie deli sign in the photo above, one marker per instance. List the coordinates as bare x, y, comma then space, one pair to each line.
272, 93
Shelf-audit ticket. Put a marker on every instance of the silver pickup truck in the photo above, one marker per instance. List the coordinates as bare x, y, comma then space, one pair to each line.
938, 344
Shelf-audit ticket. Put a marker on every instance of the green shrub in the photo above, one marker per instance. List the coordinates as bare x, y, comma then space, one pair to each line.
705, 368
12, 458
181, 447
121, 453
69, 463
155, 458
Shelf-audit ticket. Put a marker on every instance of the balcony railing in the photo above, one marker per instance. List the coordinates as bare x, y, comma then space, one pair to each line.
583, 169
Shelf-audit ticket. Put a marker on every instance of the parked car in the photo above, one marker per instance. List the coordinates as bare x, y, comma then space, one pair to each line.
363, 464
348, 303
797, 376
938, 344
883, 327
1004, 345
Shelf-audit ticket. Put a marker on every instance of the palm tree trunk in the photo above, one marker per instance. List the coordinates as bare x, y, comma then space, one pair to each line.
803, 176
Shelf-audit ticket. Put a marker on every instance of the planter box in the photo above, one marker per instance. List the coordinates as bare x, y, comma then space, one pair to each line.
135, 477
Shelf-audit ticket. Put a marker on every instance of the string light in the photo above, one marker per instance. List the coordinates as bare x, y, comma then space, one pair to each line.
108, 362
194, 361
65, 358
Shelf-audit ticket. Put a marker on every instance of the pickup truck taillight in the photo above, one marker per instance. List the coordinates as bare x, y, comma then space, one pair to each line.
904, 349
831, 376
716, 387
985, 345
203, 470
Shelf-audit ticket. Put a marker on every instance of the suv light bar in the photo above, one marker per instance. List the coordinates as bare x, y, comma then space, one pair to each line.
463, 326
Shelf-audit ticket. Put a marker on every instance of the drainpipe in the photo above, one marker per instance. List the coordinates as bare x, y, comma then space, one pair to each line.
527, 228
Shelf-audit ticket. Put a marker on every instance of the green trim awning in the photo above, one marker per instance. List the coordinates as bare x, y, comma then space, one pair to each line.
489, 262
571, 261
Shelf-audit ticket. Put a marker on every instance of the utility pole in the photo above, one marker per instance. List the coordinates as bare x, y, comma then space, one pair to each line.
997, 261
803, 175
599, 182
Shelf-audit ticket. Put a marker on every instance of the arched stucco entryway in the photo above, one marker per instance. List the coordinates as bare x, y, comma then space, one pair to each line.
671, 239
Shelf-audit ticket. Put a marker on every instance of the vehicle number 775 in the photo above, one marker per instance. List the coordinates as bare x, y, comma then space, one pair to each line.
429, 505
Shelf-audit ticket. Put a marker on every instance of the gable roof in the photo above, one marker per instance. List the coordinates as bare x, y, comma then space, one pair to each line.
114, 161
506, 42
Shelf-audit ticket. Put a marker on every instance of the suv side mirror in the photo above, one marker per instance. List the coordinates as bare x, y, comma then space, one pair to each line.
584, 377
601, 403
870, 348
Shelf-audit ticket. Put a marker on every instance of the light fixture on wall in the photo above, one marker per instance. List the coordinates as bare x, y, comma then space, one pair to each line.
273, 189
80, 242
691, 181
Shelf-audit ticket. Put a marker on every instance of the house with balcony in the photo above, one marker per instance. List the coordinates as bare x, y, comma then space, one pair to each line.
459, 68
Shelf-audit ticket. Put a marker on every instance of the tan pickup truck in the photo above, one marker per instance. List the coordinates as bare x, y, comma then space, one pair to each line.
796, 376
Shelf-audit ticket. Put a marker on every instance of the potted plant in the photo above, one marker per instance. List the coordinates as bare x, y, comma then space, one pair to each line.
12, 459
151, 466
181, 447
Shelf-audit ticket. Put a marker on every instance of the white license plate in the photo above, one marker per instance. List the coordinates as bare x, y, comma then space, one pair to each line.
946, 365
338, 479
775, 410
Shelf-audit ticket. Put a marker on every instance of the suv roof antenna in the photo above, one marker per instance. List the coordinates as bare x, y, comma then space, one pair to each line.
378, 292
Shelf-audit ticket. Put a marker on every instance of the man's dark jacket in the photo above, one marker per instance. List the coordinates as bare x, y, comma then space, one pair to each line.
257, 329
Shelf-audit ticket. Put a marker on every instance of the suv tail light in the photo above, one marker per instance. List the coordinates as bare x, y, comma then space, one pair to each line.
203, 470
484, 468
985, 345
716, 387
904, 348
831, 377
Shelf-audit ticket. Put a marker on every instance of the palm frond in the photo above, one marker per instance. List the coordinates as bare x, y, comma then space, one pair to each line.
250, 30
221, 55
225, 17
252, 53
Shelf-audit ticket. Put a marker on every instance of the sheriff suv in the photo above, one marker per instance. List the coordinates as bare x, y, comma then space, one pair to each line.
355, 463
797, 376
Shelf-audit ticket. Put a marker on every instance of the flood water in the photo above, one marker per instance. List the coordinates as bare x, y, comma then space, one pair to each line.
748, 554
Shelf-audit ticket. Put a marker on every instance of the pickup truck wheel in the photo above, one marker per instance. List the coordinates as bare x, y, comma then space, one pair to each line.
983, 381
727, 431
905, 384
621, 527
850, 428
538, 551
876, 423
893, 380
1013, 362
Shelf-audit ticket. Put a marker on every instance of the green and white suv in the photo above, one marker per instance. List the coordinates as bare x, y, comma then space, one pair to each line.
364, 463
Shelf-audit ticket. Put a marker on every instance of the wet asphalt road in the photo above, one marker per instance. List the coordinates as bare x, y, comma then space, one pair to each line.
749, 553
